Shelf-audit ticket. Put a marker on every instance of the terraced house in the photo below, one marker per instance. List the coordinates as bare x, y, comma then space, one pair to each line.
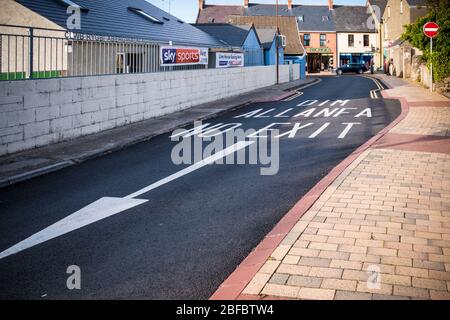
331, 35
356, 36
261, 17
397, 52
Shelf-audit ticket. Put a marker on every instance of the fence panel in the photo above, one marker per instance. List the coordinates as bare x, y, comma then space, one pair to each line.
36, 53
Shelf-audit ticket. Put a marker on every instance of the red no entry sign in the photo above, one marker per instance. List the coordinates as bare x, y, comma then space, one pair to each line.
431, 29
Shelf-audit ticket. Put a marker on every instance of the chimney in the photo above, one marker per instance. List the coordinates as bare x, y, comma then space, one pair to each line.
246, 3
201, 4
290, 4
330, 4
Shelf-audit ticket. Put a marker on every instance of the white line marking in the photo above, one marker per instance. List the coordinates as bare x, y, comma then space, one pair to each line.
319, 131
295, 96
347, 129
108, 206
96, 211
219, 155
374, 93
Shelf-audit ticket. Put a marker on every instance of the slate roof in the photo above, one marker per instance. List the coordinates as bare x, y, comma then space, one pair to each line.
315, 18
218, 13
312, 14
113, 18
229, 34
257, 9
266, 36
351, 19
380, 3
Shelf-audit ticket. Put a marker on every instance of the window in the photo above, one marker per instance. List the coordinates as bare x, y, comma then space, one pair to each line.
211, 20
146, 15
306, 40
351, 40
366, 40
324, 18
389, 11
301, 18
129, 62
401, 6
323, 40
120, 63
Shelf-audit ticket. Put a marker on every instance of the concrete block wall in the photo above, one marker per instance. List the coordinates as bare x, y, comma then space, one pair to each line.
36, 113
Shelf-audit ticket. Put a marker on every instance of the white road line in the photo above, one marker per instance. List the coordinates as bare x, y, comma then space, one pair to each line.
96, 211
306, 86
374, 93
108, 206
219, 155
295, 96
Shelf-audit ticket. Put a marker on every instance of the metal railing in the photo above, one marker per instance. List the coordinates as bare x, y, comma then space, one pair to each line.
36, 53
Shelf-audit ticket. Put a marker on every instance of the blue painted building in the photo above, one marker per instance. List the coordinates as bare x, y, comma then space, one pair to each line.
237, 38
268, 39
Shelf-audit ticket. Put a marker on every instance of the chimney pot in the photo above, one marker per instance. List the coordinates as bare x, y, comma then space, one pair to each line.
201, 4
330, 4
246, 3
290, 4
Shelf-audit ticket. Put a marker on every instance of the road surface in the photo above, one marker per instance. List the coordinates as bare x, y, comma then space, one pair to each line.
181, 237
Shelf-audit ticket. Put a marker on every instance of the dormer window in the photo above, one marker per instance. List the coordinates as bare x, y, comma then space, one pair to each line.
301, 18
145, 15
324, 18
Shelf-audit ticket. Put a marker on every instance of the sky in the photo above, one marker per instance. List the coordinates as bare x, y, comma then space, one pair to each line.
187, 9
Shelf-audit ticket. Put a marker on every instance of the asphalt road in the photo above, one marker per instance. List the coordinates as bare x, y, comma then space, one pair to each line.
193, 231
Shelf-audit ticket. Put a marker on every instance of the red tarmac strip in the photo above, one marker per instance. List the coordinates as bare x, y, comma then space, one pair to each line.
412, 142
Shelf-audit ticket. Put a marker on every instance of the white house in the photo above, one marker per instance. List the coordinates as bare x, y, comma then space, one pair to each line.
356, 35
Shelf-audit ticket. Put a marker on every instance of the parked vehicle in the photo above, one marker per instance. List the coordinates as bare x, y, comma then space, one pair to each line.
352, 67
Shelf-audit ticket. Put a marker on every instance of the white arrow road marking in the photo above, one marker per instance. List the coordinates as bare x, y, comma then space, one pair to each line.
219, 155
98, 210
107, 206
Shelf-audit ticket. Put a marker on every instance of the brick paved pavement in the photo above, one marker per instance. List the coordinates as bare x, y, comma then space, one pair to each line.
381, 230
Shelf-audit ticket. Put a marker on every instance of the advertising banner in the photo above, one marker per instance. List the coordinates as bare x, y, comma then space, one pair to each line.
179, 56
229, 60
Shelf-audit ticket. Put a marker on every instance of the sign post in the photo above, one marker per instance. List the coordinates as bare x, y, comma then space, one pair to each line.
431, 30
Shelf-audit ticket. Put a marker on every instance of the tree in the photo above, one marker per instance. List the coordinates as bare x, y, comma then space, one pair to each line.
439, 12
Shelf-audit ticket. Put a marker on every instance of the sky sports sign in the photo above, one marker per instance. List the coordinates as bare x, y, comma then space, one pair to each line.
180, 56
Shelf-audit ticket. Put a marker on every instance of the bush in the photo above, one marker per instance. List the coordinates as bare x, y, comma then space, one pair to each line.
439, 12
